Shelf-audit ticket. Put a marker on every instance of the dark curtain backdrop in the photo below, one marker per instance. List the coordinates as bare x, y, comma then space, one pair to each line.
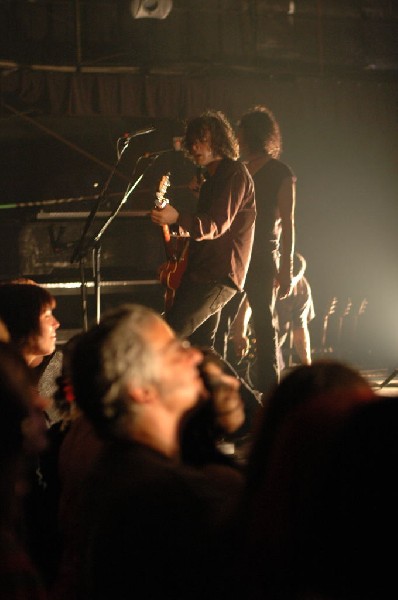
340, 137
177, 96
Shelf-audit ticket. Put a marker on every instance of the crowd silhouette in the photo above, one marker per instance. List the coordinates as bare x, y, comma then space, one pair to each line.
165, 474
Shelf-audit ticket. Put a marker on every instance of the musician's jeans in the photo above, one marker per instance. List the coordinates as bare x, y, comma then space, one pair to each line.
196, 310
261, 296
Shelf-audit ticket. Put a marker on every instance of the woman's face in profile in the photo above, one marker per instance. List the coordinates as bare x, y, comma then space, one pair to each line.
44, 342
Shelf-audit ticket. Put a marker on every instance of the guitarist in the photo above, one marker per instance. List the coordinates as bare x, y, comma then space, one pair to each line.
221, 232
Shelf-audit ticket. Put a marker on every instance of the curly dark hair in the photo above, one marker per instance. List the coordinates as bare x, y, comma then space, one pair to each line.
261, 131
223, 139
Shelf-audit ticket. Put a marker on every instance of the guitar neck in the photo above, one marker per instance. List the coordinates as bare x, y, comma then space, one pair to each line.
161, 202
166, 233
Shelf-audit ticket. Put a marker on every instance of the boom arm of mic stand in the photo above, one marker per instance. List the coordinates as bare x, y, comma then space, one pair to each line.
81, 248
84, 244
130, 189
97, 239
97, 249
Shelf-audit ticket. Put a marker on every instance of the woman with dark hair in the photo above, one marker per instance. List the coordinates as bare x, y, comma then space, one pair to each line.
220, 233
270, 270
26, 310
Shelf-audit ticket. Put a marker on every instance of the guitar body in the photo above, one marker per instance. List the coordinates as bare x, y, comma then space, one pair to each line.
171, 271
170, 275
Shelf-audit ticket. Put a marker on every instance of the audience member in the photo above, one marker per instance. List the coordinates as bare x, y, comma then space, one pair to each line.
80, 448
348, 549
219, 428
150, 522
298, 387
27, 311
300, 425
48, 366
21, 438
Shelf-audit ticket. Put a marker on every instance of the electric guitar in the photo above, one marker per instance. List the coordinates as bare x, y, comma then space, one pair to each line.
325, 325
343, 319
161, 202
171, 272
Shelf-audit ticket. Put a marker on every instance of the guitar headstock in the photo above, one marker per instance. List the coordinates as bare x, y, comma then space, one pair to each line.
332, 306
347, 308
161, 201
362, 306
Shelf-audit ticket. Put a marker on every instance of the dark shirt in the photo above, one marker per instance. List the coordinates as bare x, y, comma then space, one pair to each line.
18, 578
222, 229
78, 453
267, 182
152, 526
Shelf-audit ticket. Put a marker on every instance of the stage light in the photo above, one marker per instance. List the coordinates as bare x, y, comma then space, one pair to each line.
151, 9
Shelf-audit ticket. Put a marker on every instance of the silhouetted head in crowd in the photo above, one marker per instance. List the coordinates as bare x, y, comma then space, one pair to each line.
297, 437
348, 549
300, 385
26, 310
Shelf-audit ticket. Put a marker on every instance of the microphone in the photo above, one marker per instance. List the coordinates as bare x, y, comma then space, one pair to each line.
177, 147
127, 136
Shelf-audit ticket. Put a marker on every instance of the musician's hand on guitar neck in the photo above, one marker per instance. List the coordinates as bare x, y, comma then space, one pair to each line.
166, 216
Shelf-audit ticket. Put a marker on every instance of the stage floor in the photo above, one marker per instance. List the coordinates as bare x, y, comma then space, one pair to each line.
378, 377
375, 376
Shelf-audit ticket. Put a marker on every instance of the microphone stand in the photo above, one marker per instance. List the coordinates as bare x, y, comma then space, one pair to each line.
85, 244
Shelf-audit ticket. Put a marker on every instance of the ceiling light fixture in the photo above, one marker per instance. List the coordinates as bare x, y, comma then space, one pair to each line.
151, 9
